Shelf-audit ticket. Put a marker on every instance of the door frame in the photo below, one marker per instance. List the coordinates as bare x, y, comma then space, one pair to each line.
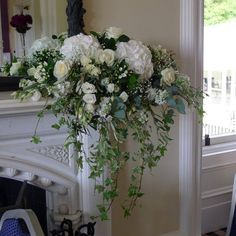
191, 55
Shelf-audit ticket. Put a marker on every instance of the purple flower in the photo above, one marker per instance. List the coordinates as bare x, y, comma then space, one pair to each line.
21, 22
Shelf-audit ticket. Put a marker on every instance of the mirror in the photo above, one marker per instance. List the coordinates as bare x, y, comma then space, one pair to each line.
49, 17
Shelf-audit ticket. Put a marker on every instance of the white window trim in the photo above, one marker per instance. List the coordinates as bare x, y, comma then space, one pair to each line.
191, 54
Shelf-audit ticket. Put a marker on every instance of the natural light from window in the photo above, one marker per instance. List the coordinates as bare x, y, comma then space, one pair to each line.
220, 67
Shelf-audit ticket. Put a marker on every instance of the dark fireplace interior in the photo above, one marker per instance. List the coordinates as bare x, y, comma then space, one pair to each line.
33, 198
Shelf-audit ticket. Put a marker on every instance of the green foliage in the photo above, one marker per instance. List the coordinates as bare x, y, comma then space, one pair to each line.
219, 11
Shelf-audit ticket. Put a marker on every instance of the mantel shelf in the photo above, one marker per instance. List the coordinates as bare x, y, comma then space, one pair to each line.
10, 106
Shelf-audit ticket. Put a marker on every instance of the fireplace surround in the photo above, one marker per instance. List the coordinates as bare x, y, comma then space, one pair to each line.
48, 165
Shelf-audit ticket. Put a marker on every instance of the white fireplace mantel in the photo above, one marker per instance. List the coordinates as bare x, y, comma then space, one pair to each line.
47, 165
70, 193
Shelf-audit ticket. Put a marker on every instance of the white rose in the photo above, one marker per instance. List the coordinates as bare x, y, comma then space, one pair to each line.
110, 88
31, 71
89, 108
61, 69
124, 96
168, 76
137, 56
14, 70
88, 88
89, 98
106, 56
85, 60
36, 96
113, 32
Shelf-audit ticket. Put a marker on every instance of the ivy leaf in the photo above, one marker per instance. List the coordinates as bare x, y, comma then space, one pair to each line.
36, 139
56, 126
95, 34
110, 43
132, 81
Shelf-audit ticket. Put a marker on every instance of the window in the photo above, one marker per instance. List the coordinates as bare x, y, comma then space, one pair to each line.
219, 80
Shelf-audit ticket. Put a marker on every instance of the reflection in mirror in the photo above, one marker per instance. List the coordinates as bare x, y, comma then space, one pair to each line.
49, 17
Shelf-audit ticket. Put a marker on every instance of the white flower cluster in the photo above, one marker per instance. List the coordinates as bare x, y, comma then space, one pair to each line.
76, 46
89, 96
41, 44
39, 73
105, 107
138, 56
14, 70
157, 96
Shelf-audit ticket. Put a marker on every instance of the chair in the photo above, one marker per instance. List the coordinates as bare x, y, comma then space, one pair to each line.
10, 223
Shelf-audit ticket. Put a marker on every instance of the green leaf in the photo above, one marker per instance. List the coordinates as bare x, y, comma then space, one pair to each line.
123, 38
120, 114
180, 106
132, 81
171, 102
56, 126
36, 139
95, 34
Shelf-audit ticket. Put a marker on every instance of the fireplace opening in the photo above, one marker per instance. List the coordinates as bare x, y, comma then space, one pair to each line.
34, 198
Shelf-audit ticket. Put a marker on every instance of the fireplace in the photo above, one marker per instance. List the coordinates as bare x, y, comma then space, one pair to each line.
34, 198
68, 192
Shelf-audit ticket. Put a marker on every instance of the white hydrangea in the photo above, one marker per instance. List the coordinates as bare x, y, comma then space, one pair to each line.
41, 44
78, 45
138, 57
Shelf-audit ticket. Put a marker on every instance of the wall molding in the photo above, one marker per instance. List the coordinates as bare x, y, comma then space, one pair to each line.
191, 36
212, 168
219, 149
217, 192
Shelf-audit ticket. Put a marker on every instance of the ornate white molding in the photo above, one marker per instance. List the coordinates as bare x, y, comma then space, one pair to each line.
55, 152
191, 36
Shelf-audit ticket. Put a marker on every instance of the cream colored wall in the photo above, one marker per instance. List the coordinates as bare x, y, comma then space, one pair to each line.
61, 16
153, 21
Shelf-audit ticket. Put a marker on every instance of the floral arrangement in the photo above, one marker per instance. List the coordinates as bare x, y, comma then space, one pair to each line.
117, 86
22, 24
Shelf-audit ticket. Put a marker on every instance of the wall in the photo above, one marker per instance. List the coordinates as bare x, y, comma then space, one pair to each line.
219, 168
61, 16
152, 21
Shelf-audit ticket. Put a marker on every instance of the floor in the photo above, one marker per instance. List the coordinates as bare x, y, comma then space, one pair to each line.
221, 232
